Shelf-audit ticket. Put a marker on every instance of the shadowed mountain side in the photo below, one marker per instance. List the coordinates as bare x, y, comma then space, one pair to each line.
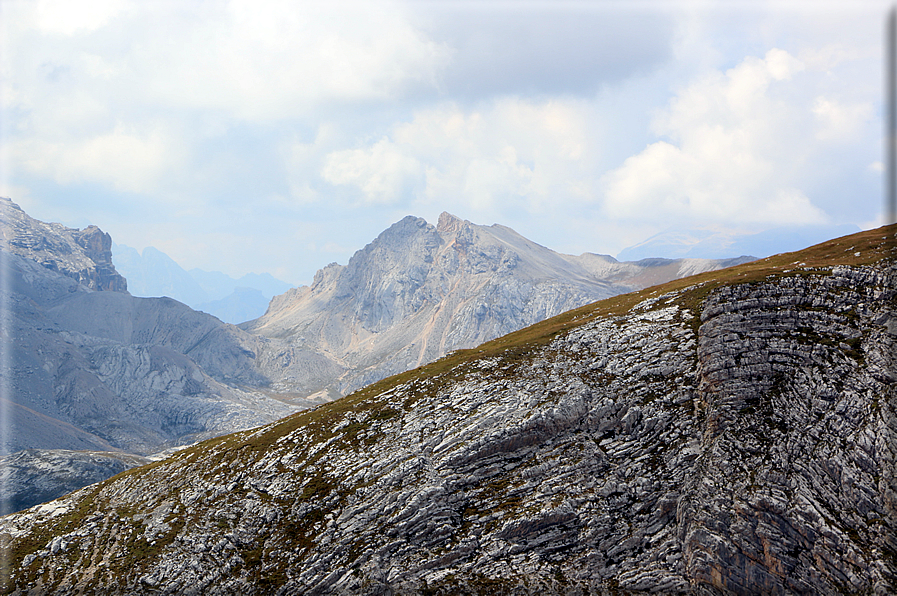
223, 351
733, 433
243, 304
35, 476
33, 430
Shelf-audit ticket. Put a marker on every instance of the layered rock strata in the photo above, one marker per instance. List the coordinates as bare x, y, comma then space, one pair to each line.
83, 255
731, 435
34, 476
419, 291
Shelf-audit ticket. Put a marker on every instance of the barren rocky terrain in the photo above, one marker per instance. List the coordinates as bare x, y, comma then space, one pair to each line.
419, 291
90, 367
732, 433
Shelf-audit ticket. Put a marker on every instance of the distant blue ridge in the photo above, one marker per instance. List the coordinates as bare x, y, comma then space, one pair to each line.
153, 273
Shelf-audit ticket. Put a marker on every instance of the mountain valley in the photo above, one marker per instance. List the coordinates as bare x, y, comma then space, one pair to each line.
728, 433
93, 368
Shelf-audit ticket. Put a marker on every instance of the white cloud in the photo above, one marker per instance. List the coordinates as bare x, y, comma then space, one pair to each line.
258, 60
142, 96
510, 153
382, 171
127, 160
837, 121
67, 18
738, 139
318, 122
262, 61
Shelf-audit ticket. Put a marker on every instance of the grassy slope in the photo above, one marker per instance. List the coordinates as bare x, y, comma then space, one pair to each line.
860, 249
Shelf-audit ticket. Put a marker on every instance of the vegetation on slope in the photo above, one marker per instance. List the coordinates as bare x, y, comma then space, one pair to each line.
357, 422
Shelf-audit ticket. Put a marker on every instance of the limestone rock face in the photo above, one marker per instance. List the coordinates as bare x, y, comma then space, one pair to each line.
418, 292
83, 255
34, 476
103, 370
735, 434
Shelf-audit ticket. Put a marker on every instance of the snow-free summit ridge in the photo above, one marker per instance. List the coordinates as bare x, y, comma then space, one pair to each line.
733, 433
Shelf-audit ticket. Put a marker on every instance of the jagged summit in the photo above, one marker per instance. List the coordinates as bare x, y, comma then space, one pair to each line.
83, 255
731, 433
417, 292
104, 370
449, 224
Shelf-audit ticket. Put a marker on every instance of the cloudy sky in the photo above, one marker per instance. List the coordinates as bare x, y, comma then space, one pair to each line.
278, 136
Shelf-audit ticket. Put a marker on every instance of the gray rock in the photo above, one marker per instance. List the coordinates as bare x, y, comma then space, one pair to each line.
418, 292
735, 436
35, 476
83, 255
106, 370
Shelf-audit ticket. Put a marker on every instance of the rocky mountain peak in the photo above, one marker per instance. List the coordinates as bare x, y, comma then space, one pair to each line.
83, 255
418, 291
449, 224
97, 245
729, 434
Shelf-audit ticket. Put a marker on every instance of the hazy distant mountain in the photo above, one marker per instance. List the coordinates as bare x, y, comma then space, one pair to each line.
89, 369
419, 291
733, 434
218, 285
242, 304
707, 243
153, 273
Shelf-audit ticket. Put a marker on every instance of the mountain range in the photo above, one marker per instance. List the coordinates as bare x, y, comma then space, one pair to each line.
152, 273
715, 243
728, 433
419, 291
92, 367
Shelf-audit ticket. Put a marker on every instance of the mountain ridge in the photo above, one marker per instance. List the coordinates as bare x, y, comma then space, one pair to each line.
418, 291
731, 433
106, 370
83, 255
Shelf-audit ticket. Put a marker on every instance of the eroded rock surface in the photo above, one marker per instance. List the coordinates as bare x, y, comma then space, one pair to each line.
34, 476
734, 436
83, 255
105, 370
419, 291
89, 369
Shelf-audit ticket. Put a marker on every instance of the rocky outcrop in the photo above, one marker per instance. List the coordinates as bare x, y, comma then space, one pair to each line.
106, 370
418, 292
34, 476
733, 434
83, 255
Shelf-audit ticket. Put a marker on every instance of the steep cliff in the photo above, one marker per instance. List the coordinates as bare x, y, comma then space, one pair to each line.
733, 433
420, 291
83, 255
